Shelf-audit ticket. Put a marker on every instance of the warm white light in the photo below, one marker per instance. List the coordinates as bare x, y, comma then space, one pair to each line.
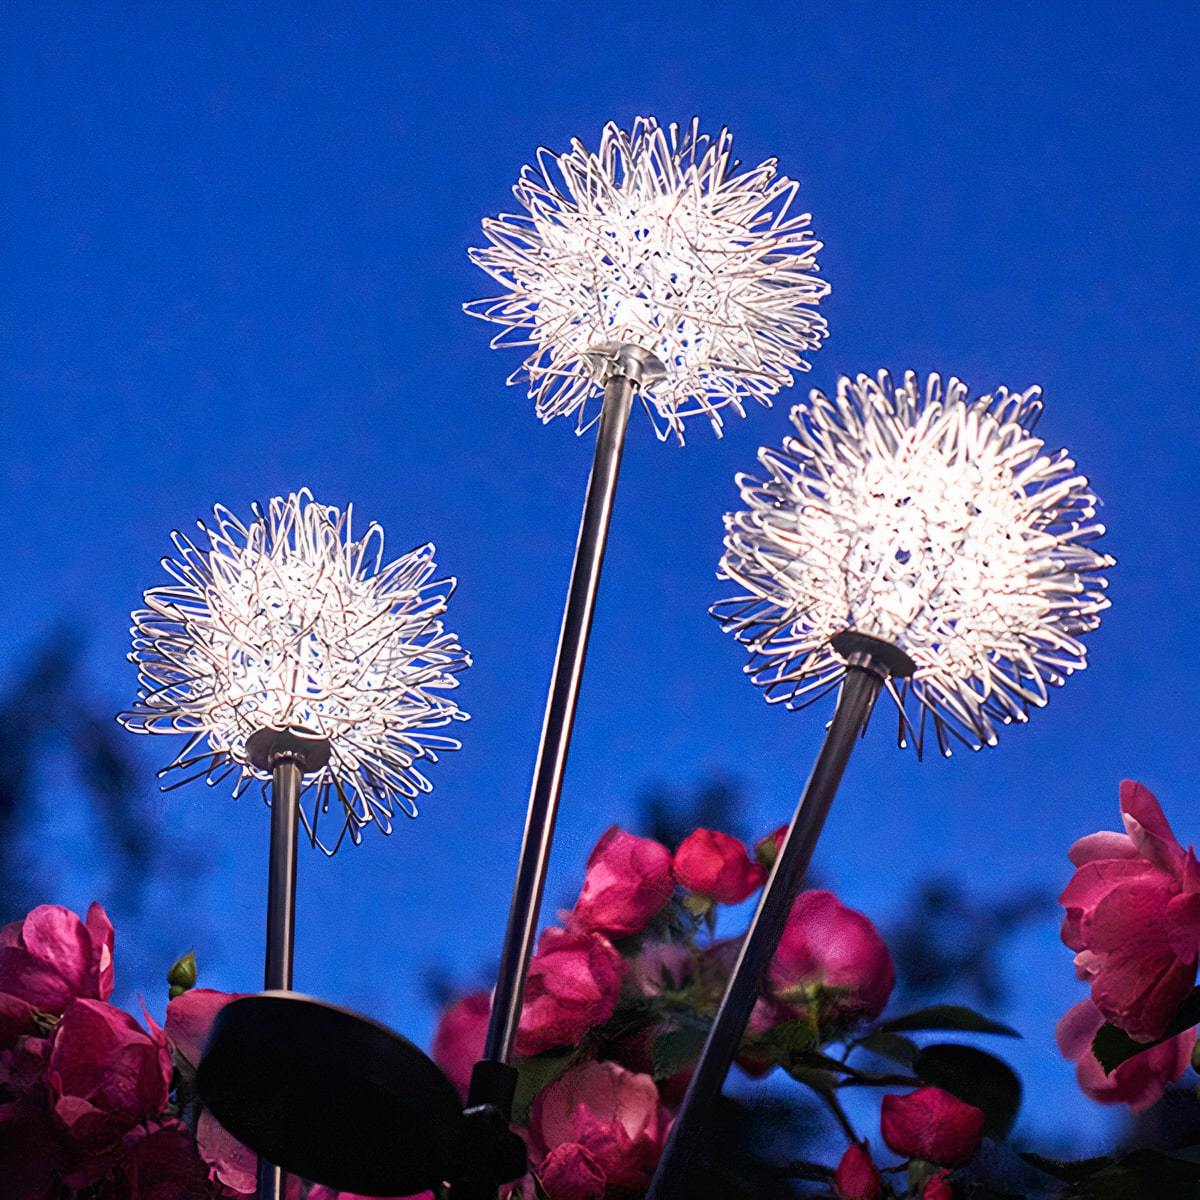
934, 521
290, 622
657, 241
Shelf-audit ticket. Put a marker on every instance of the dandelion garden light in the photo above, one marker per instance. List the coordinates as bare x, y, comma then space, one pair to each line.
904, 538
286, 651
656, 266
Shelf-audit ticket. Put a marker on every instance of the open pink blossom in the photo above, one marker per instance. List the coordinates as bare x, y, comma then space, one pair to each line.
933, 1125
105, 1075
458, 1041
829, 946
573, 983
714, 865
613, 1114
570, 1172
1133, 917
628, 881
51, 957
1139, 1081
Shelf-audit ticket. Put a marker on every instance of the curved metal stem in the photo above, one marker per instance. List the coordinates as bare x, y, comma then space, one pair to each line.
681, 1154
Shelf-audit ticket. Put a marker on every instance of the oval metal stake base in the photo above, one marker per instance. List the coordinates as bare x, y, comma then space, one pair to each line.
331, 1096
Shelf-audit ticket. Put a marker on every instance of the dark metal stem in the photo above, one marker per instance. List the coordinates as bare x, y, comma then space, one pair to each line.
560, 714
858, 693
286, 777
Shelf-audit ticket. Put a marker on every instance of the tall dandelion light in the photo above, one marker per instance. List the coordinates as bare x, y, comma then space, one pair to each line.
655, 266
909, 539
935, 522
659, 242
285, 650
291, 629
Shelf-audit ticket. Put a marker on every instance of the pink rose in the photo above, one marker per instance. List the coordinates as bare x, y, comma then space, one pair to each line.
52, 957
1137, 1082
613, 1114
571, 1173
458, 1041
105, 1075
827, 945
717, 866
573, 983
159, 1162
31, 1154
190, 1018
628, 881
931, 1124
1133, 917
938, 1187
857, 1177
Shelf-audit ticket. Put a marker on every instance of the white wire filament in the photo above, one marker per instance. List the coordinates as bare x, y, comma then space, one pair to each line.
657, 241
290, 622
937, 522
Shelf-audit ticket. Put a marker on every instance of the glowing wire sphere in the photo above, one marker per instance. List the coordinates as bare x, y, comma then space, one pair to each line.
657, 241
934, 521
291, 623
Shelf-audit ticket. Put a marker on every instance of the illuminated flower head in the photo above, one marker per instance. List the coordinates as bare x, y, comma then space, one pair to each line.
657, 241
291, 623
936, 522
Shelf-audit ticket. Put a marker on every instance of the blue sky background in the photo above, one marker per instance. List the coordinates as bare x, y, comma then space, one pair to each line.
232, 252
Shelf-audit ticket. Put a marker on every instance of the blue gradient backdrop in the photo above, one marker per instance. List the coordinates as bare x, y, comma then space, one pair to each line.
232, 251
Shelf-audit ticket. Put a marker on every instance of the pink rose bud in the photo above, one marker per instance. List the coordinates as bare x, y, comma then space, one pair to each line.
190, 1018
857, 1177
613, 1114
573, 983
932, 1125
827, 945
717, 866
571, 1173
458, 1042
106, 1074
1133, 917
767, 850
938, 1187
628, 881
1138, 1082
51, 957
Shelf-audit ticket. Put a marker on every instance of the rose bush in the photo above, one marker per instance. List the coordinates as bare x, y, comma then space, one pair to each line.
96, 1104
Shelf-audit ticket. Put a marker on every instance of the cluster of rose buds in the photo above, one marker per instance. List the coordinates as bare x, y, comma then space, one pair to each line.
641, 936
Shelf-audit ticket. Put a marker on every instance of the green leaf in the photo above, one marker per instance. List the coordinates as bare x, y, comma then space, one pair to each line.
891, 1045
978, 1078
674, 1050
1142, 1175
1068, 1170
946, 1016
533, 1074
1113, 1046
